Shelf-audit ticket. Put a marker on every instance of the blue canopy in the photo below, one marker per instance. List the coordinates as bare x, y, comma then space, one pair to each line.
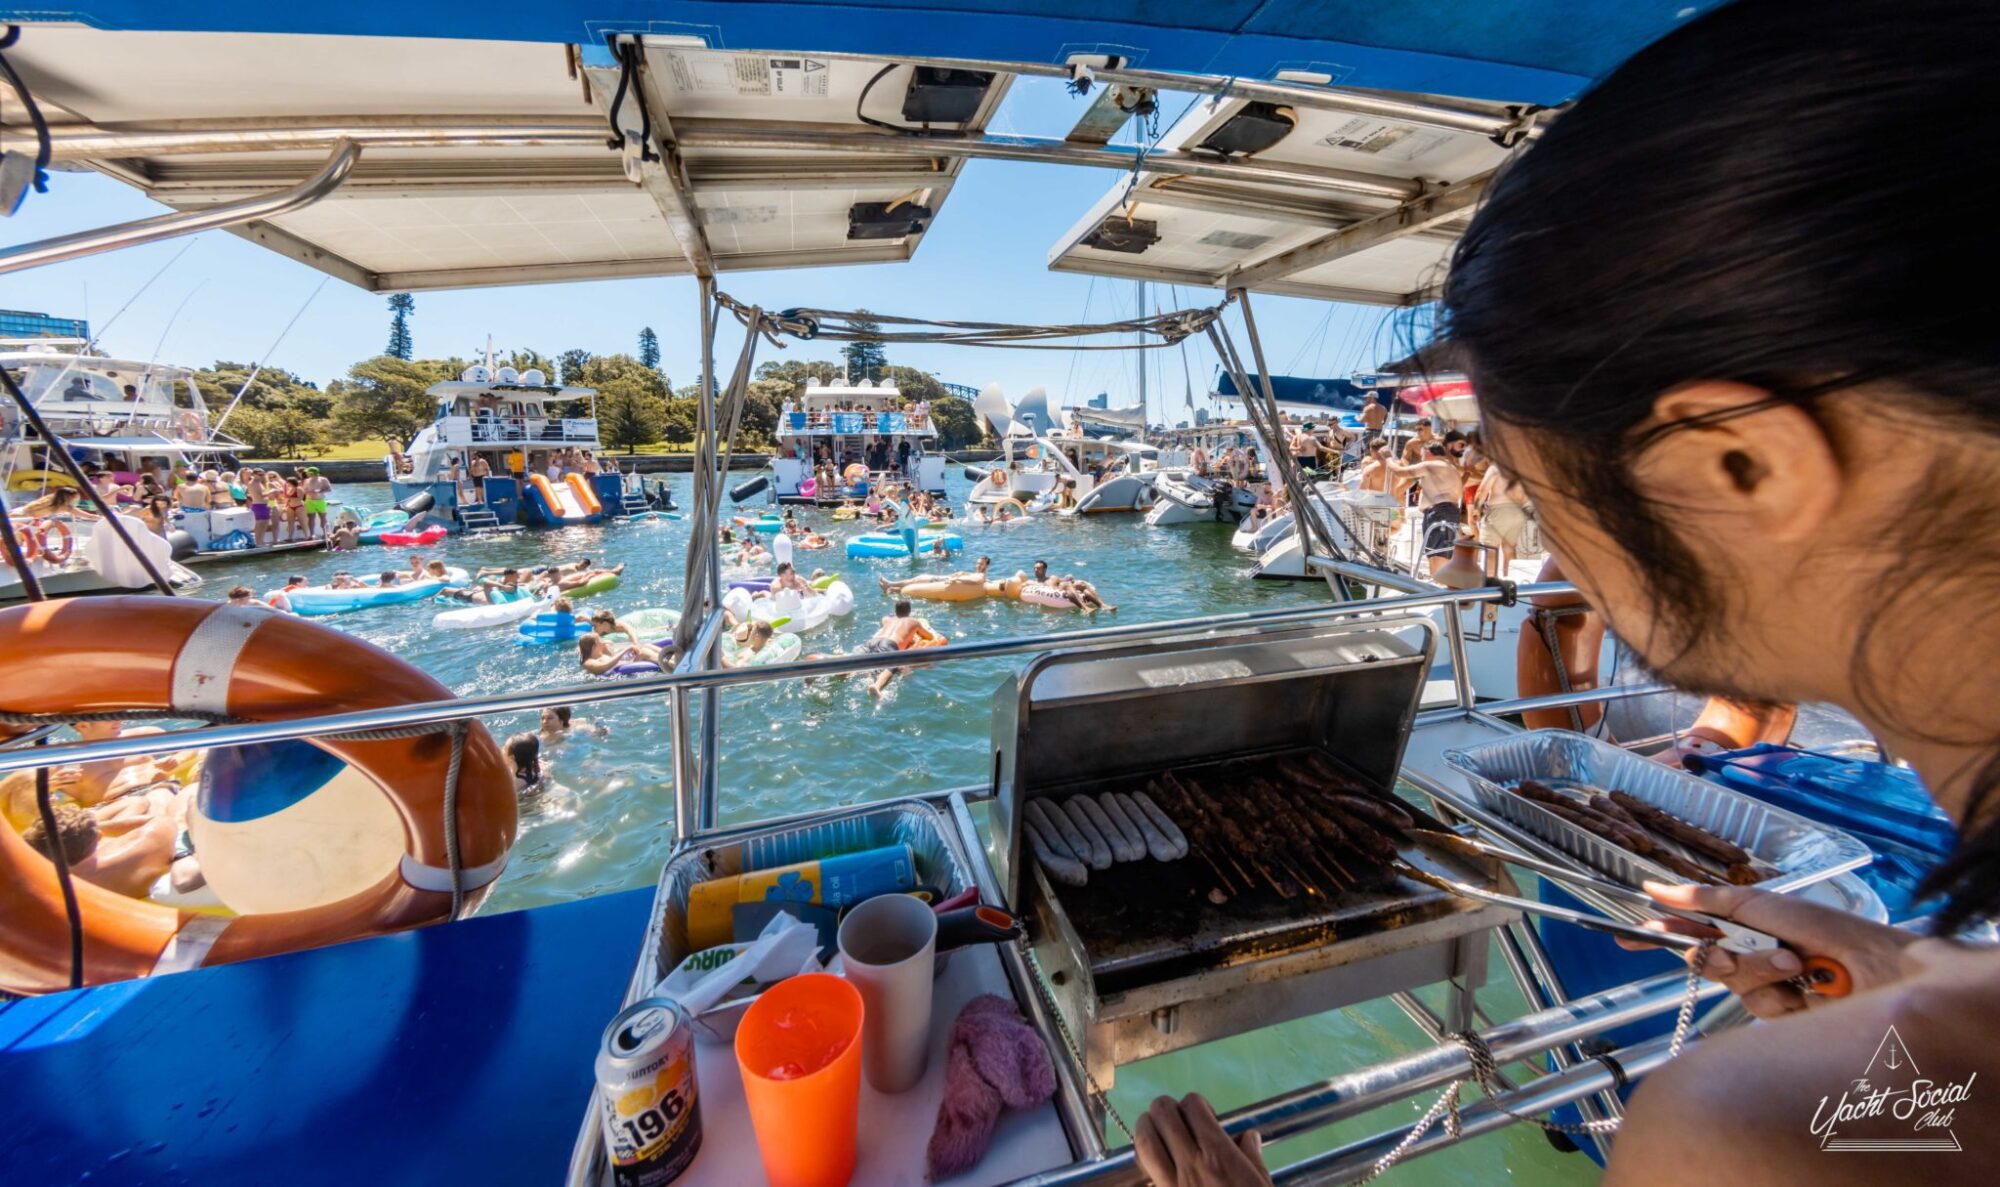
1535, 50
1296, 391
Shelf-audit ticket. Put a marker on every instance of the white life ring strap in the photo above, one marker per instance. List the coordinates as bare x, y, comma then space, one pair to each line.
190, 945
207, 660
438, 878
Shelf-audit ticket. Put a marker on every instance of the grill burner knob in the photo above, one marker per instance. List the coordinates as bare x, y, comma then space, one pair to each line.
1167, 1019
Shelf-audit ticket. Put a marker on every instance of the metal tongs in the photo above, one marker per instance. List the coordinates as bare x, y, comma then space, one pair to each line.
1822, 975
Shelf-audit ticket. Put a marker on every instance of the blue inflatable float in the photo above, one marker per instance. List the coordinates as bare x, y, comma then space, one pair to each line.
902, 544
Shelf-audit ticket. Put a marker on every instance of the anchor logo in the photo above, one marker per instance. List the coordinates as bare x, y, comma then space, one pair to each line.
1891, 1107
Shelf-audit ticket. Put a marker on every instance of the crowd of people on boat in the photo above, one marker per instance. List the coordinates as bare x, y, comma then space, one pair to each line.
283, 508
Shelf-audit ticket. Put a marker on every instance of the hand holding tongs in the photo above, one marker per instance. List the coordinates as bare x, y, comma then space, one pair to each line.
1822, 975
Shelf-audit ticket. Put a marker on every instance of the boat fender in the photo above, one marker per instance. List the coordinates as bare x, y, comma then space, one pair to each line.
194, 657
417, 503
750, 489
974, 476
183, 545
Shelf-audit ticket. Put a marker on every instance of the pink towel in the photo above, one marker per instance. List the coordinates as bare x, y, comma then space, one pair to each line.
997, 1061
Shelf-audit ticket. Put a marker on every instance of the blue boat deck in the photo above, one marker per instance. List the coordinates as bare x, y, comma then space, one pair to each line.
454, 1054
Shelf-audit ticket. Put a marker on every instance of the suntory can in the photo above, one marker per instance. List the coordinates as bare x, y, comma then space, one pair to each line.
646, 1088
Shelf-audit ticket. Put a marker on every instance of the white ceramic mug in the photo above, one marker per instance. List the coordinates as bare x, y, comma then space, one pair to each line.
887, 947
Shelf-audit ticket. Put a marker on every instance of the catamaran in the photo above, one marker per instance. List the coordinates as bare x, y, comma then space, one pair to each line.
359, 797
844, 436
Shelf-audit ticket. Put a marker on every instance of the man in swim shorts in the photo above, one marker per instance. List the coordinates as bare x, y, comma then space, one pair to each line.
599, 657
788, 578
898, 632
316, 488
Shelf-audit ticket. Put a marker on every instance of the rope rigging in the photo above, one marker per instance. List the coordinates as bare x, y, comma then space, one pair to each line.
836, 325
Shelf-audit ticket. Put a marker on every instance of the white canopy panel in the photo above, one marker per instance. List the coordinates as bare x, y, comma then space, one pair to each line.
1367, 211
196, 119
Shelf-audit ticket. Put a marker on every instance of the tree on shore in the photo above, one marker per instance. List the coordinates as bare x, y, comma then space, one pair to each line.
401, 345
865, 359
649, 348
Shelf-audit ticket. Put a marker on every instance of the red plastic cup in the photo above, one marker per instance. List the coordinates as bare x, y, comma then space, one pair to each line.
799, 1048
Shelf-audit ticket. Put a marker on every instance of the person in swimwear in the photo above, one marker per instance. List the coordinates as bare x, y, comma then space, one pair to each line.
524, 755
571, 580
978, 573
788, 578
125, 851
751, 639
558, 724
346, 537
898, 632
388, 579
281, 599
90, 783
492, 593
599, 657
813, 542
344, 580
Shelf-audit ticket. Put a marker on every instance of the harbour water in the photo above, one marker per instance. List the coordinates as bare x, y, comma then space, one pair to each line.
603, 823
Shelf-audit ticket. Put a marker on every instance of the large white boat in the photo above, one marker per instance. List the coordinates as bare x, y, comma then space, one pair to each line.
530, 433
849, 434
126, 419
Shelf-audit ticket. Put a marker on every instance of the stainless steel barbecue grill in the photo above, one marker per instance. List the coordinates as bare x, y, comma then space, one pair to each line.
1142, 959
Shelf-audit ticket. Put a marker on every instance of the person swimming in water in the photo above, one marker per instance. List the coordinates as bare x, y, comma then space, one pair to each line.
344, 580
524, 754
788, 578
559, 723
898, 632
599, 657
494, 593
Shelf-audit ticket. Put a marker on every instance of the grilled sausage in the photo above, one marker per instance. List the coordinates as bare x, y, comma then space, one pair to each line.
1062, 867
1159, 841
1125, 846
1055, 829
1097, 853
1675, 829
1135, 837
1382, 815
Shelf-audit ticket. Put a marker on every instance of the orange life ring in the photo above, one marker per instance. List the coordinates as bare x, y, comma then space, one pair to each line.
136, 653
1579, 637
59, 549
30, 541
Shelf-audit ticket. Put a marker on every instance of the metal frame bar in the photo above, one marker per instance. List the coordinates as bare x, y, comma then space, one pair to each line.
640, 687
187, 222
1411, 218
1365, 1089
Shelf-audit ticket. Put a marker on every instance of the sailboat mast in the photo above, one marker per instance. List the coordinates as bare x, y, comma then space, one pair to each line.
1140, 337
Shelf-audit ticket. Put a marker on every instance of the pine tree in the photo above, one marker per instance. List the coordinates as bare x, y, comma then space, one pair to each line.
649, 349
400, 344
865, 358
572, 363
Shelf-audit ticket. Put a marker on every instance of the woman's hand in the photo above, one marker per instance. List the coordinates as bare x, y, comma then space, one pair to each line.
1872, 952
1181, 1144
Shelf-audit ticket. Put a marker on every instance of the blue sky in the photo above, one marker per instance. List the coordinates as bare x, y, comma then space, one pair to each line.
984, 259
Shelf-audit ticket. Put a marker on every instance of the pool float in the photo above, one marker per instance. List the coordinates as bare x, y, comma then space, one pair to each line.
788, 611
1040, 593
809, 488
429, 535
767, 523
379, 522
492, 613
782, 649
655, 515
366, 858
317, 600
824, 580
855, 473
945, 589
886, 544
636, 668
595, 585
550, 627
753, 584
845, 513
452, 573
654, 624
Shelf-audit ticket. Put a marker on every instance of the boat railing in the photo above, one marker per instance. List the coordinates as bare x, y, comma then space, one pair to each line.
522, 430
691, 677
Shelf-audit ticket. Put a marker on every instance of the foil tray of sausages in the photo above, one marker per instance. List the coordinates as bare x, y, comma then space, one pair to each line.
1790, 850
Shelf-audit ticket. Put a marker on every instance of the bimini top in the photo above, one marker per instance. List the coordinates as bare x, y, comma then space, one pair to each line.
1331, 149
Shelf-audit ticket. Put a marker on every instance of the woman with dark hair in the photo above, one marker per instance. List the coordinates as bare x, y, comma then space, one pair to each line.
1710, 321
524, 754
